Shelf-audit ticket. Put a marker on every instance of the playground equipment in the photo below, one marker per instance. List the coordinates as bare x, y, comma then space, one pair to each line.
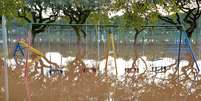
188, 42
131, 72
79, 67
110, 41
36, 56
152, 39
162, 69
64, 31
55, 71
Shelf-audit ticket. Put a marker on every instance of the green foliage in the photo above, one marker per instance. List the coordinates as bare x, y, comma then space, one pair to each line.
9, 7
39, 11
79, 9
81, 4
153, 18
99, 18
93, 18
136, 13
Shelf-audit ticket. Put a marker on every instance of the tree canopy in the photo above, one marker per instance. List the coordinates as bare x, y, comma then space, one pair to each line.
48, 11
175, 12
9, 7
136, 13
78, 11
183, 12
38, 11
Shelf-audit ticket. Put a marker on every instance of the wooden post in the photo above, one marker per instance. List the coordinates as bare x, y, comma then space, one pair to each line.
110, 41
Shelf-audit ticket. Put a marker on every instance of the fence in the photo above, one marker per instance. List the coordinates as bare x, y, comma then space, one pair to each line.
154, 42
152, 39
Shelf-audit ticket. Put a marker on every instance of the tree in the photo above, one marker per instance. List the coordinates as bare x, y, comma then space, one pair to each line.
9, 7
136, 14
41, 12
79, 10
187, 13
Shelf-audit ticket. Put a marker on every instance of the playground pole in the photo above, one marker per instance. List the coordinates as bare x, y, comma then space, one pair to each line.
192, 53
98, 42
26, 66
5, 51
179, 52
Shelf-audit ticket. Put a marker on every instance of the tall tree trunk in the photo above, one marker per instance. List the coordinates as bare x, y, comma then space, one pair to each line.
80, 51
79, 44
191, 29
189, 34
33, 38
0, 19
135, 38
137, 32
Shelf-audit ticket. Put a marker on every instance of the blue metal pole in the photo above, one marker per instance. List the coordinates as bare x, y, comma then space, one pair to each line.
192, 53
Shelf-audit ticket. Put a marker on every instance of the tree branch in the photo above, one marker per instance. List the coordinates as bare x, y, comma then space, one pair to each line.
167, 19
24, 16
188, 15
178, 18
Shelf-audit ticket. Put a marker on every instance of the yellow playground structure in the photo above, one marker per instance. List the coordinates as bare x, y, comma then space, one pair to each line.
36, 56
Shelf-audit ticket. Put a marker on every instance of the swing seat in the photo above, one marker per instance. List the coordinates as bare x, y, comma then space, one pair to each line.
132, 70
90, 70
161, 69
55, 71
111, 52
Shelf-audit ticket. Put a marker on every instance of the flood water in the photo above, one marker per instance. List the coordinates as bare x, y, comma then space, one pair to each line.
158, 77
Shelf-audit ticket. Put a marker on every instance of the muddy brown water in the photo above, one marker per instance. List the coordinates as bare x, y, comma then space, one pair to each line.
76, 86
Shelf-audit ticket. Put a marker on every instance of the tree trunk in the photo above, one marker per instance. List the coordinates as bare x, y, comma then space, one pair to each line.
189, 34
80, 51
33, 38
78, 44
135, 38
0, 19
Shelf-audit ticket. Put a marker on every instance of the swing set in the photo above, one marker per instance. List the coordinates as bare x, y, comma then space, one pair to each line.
162, 69
37, 56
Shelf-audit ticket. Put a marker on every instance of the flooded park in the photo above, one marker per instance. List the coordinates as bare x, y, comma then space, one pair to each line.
103, 61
